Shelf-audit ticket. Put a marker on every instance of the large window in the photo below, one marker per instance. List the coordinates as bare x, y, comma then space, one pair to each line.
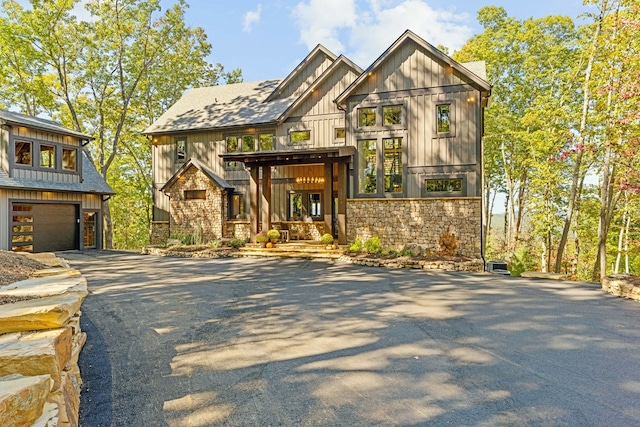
23, 153
266, 141
367, 166
392, 165
90, 228
233, 146
237, 210
366, 116
47, 156
248, 143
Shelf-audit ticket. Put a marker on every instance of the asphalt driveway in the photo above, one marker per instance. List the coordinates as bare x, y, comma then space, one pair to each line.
265, 342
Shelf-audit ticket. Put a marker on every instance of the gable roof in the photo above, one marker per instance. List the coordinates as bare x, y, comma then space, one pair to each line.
13, 118
408, 35
229, 105
319, 49
203, 168
334, 66
92, 182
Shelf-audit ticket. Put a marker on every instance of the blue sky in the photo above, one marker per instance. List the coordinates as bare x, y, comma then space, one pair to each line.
268, 38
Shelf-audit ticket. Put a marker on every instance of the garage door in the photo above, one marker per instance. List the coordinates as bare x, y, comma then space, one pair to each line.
44, 227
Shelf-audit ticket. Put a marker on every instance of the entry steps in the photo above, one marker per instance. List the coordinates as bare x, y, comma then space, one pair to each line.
291, 250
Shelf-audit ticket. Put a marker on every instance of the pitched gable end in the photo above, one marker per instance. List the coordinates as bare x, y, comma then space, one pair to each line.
202, 168
410, 62
311, 67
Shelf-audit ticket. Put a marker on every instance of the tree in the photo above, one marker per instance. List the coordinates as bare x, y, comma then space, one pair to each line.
110, 77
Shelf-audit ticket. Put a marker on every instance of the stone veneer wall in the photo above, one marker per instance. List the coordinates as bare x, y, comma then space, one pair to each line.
398, 222
238, 229
159, 232
187, 216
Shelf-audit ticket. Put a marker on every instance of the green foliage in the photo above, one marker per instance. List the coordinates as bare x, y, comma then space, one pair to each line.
356, 246
372, 245
185, 239
273, 234
523, 260
326, 239
406, 252
237, 243
262, 237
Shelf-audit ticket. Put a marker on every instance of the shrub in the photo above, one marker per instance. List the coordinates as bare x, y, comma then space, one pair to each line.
372, 245
237, 243
406, 252
356, 246
185, 239
262, 237
448, 243
326, 239
273, 234
215, 244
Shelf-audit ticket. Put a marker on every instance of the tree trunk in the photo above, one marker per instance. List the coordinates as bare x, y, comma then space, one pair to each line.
108, 225
583, 127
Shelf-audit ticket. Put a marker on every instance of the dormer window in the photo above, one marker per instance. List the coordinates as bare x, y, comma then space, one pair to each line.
47, 156
23, 153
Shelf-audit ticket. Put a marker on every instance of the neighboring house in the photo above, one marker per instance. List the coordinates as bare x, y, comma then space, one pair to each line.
50, 193
394, 151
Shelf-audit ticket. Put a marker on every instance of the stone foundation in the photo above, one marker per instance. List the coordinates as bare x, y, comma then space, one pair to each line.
159, 232
398, 222
237, 229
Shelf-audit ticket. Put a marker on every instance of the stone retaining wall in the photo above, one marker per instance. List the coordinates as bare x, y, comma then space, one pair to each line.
40, 342
620, 285
398, 222
159, 232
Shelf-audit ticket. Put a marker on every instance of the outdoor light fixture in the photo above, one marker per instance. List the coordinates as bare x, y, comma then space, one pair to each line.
310, 180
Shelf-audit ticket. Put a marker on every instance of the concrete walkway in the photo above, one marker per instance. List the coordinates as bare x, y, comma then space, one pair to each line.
272, 342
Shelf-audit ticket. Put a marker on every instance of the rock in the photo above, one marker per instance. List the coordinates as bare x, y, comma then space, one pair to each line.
49, 417
22, 399
67, 399
42, 313
55, 272
541, 275
36, 353
414, 248
69, 281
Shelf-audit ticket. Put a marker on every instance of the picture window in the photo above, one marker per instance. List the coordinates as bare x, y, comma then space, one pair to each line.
23, 153
392, 115
47, 156
367, 116
298, 136
443, 185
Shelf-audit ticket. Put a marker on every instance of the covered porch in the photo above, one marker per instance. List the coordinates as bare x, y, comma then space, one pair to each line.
334, 180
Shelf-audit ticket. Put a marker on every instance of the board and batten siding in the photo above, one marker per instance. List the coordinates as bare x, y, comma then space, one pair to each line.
4, 148
86, 202
304, 78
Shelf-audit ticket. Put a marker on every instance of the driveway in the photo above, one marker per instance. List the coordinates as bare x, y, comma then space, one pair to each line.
271, 342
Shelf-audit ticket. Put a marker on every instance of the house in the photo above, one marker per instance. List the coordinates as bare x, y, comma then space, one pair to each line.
50, 193
393, 151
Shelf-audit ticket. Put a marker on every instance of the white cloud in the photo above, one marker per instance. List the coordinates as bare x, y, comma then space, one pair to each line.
319, 21
250, 18
365, 33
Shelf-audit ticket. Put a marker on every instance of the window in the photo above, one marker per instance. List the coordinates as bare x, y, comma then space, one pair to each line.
47, 156
237, 206
367, 166
233, 146
266, 141
298, 136
315, 207
367, 116
295, 206
22, 228
443, 118
392, 165
195, 194
443, 185
181, 150
69, 159
23, 153
340, 133
392, 115
90, 229
248, 143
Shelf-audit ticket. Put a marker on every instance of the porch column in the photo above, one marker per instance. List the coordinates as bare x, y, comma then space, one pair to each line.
254, 194
266, 198
327, 205
342, 203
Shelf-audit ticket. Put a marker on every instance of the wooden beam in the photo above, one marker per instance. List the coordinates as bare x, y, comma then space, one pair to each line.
266, 198
327, 203
342, 203
254, 194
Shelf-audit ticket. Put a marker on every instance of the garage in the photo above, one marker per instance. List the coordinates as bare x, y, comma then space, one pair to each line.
44, 227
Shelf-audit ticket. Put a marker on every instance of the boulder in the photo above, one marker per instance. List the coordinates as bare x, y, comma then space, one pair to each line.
22, 399
36, 353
